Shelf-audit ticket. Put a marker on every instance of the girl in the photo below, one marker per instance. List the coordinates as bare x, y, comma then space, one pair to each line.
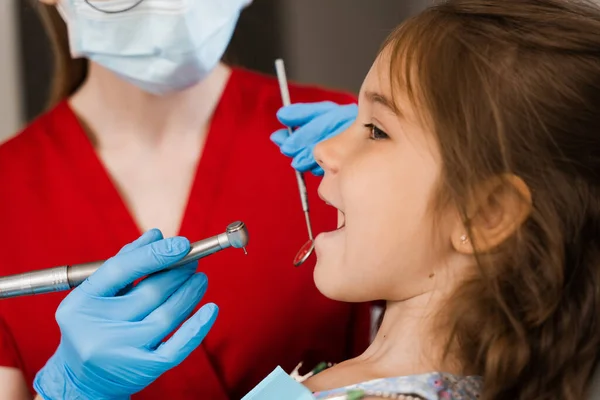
468, 197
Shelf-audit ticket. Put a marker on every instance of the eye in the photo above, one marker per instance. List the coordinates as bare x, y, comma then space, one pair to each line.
376, 133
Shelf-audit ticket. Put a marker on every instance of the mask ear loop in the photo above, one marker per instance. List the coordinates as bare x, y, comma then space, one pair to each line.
113, 12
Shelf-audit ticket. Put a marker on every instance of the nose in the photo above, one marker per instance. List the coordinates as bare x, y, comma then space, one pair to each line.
328, 154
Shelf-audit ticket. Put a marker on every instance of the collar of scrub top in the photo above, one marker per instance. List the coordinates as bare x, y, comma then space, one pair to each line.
277, 386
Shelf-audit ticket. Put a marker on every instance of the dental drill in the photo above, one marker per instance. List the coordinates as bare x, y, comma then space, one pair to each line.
67, 277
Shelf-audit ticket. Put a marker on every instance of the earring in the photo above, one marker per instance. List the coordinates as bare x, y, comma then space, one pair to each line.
464, 239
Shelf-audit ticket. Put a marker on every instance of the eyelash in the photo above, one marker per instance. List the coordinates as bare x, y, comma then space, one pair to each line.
375, 132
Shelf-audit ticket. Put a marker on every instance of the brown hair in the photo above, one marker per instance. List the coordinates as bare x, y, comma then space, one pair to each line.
68, 73
513, 86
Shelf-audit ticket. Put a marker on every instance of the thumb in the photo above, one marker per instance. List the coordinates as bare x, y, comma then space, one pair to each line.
189, 336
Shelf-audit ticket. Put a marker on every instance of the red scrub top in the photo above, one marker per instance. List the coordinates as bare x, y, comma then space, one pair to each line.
58, 206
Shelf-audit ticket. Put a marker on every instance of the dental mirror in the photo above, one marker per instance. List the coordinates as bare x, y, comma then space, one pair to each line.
305, 251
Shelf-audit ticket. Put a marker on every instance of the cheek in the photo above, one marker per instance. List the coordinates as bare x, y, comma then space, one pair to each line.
389, 227
388, 214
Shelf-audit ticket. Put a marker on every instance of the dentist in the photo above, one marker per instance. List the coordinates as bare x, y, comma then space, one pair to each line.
148, 128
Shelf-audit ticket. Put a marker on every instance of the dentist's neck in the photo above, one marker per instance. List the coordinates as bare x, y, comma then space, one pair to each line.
115, 110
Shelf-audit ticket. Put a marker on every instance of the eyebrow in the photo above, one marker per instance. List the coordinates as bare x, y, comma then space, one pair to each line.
378, 98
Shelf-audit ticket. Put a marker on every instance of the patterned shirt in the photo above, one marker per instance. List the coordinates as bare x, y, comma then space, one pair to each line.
432, 386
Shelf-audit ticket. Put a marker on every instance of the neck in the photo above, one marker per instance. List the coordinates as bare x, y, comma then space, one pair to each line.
407, 342
115, 110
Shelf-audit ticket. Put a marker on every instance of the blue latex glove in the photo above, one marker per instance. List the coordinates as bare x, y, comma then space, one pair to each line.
315, 122
111, 345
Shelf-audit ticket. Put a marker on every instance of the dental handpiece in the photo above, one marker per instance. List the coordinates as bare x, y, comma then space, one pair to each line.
67, 277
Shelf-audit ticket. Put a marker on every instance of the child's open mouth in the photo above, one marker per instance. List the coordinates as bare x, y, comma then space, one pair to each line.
341, 222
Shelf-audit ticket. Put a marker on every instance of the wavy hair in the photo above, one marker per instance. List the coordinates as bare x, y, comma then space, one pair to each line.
513, 87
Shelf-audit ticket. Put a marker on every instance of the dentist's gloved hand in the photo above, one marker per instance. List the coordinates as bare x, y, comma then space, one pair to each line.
315, 122
112, 343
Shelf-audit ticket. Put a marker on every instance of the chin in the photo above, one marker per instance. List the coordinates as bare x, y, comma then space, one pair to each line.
327, 282
330, 273
332, 283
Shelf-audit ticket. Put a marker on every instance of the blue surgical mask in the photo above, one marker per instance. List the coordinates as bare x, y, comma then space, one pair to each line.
161, 46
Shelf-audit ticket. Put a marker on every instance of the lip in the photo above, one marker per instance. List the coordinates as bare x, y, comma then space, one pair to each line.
324, 237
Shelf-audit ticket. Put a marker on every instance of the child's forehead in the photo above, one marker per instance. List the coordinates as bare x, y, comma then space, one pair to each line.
381, 88
379, 73
377, 79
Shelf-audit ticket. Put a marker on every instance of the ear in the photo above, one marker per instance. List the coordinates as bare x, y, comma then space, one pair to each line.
501, 205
